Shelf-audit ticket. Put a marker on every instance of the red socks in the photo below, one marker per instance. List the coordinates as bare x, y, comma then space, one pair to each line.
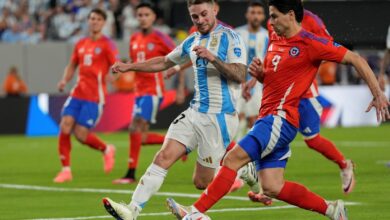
135, 148
216, 190
94, 142
154, 138
298, 195
328, 149
64, 147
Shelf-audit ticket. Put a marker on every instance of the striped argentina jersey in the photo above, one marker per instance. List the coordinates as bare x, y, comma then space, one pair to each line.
256, 43
213, 92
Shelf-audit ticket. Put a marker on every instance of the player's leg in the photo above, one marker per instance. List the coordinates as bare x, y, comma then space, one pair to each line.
69, 112
88, 118
310, 111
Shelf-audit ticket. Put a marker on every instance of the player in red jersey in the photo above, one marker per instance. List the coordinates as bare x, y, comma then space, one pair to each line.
144, 45
290, 67
310, 109
94, 56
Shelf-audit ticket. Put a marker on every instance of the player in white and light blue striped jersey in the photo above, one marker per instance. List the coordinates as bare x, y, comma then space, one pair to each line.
219, 59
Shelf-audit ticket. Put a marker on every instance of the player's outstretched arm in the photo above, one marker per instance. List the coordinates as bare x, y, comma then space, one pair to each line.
153, 65
67, 76
380, 101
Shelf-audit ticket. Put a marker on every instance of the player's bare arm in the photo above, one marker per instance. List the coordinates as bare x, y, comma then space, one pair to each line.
256, 69
380, 101
231, 71
246, 88
67, 76
153, 65
385, 63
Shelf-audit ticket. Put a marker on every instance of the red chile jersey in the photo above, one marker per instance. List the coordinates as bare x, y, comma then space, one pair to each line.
94, 59
312, 23
143, 47
290, 67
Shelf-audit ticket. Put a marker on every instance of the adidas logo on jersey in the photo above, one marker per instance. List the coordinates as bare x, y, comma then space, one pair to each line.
208, 160
307, 130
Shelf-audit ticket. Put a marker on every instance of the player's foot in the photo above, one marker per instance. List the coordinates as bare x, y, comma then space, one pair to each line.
196, 216
238, 184
337, 211
179, 211
120, 211
109, 158
348, 177
63, 176
259, 197
249, 175
124, 180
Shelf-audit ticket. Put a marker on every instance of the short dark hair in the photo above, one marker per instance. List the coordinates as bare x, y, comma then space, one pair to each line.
285, 6
147, 4
256, 4
99, 12
198, 2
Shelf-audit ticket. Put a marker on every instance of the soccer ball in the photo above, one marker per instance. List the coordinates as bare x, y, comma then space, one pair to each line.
196, 216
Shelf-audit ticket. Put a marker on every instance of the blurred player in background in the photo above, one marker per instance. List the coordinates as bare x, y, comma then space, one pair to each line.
219, 60
290, 67
93, 55
385, 63
144, 45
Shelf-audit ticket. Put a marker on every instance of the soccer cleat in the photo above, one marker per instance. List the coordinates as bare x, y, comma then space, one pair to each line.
337, 211
63, 176
109, 158
179, 211
120, 211
196, 216
238, 184
124, 180
259, 197
250, 177
348, 177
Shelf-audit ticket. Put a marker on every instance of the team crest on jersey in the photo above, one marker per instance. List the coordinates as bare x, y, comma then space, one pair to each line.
150, 46
294, 52
237, 51
98, 50
214, 41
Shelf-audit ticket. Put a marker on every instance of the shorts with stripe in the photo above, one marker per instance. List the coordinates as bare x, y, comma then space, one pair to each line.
146, 107
85, 113
209, 134
267, 143
310, 111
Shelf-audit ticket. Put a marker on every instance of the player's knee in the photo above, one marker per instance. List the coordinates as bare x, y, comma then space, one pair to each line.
163, 158
201, 183
136, 126
80, 136
66, 127
271, 189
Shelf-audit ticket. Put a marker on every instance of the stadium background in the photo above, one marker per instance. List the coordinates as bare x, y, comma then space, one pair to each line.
25, 161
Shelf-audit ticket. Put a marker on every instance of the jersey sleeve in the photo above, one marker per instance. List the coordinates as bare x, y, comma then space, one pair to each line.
74, 58
236, 50
181, 54
112, 52
326, 50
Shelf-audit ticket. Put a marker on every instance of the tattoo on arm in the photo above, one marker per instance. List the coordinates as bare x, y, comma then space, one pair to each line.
231, 71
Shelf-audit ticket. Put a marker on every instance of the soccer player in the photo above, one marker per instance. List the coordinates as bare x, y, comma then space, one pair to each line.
219, 60
144, 45
385, 63
93, 55
289, 69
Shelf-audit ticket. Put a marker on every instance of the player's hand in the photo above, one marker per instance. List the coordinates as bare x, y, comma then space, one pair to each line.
202, 52
170, 72
381, 104
61, 85
256, 69
119, 67
382, 81
246, 91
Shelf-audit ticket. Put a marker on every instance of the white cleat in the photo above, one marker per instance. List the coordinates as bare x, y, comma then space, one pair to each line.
120, 211
196, 216
249, 175
348, 177
337, 211
179, 211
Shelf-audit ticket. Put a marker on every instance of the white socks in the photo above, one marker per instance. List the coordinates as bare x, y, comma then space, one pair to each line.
148, 185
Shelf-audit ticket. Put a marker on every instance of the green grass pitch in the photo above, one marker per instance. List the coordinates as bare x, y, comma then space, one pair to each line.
34, 162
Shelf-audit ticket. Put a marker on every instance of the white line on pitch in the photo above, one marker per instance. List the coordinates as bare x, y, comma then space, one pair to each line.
210, 211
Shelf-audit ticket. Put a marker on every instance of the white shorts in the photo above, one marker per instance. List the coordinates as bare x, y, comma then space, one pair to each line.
209, 133
251, 108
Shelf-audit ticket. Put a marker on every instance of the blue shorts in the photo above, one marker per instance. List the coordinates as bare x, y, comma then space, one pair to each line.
310, 111
146, 107
267, 143
85, 113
